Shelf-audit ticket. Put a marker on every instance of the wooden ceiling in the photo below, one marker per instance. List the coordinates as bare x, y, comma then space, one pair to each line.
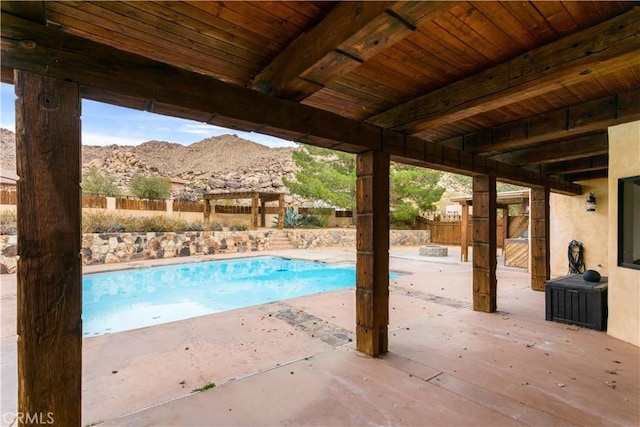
524, 90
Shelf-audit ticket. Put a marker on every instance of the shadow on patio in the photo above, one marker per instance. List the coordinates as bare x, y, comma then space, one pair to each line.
292, 362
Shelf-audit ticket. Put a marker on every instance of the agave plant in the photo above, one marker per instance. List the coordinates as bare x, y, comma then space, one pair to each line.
292, 219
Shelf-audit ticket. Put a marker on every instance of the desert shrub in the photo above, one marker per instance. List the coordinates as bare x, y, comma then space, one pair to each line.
214, 226
8, 223
96, 181
319, 217
152, 187
160, 223
110, 222
99, 221
194, 226
238, 227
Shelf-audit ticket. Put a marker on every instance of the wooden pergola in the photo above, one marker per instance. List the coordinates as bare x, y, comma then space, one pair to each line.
503, 201
521, 92
259, 199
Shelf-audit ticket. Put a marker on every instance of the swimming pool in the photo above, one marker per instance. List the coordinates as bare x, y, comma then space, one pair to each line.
131, 299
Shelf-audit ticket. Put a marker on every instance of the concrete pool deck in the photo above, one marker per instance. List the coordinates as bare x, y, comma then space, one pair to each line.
293, 362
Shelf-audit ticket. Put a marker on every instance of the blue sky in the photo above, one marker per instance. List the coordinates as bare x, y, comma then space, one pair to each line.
104, 124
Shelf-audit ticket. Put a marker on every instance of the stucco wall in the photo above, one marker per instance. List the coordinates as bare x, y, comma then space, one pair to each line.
570, 221
624, 283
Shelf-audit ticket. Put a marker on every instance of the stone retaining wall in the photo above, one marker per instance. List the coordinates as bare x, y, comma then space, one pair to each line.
306, 239
105, 248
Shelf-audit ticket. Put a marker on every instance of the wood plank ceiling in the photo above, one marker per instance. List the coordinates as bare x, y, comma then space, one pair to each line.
534, 85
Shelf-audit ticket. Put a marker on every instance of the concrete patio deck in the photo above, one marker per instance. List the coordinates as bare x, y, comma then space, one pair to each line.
293, 362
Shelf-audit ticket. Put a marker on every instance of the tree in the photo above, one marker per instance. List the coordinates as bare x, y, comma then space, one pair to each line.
330, 176
326, 175
412, 190
96, 181
153, 187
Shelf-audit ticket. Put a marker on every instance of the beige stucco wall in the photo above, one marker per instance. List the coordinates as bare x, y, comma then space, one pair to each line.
624, 283
569, 221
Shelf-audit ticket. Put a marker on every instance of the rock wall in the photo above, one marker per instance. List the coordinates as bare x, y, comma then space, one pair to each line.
125, 247
306, 239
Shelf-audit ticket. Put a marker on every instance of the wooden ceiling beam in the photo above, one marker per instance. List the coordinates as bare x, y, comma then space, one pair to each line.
351, 33
557, 151
578, 165
565, 122
597, 50
108, 75
584, 176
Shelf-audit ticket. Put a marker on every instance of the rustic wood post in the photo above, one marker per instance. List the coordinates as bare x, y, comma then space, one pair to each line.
49, 292
484, 243
263, 213
505, 228
281, 212
207, 211
372, 246
255, 201
539, 217
464, 235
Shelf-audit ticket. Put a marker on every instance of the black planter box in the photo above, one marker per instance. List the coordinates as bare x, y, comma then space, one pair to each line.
573, 300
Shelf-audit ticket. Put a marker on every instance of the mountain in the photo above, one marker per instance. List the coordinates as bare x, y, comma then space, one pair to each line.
223, 163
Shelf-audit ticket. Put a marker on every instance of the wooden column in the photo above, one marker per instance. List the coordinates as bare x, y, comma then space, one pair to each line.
263, 214
372, 246
484, 243
255, 202
464, 235
207, 211
49, 292
539, 217
505, 228
281, 212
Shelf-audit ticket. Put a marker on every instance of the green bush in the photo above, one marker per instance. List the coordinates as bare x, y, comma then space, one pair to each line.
110, 222
8, 223
153, 187
95, 181
237, 227
99, 221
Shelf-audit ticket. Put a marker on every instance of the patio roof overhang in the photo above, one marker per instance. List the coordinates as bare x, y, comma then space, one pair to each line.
517, 92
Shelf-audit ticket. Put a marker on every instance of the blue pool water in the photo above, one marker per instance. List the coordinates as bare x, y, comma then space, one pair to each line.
130, 299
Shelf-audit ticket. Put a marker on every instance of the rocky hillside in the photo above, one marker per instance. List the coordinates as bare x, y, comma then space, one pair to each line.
224, 163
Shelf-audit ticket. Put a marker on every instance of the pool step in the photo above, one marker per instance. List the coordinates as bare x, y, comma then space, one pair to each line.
280, 241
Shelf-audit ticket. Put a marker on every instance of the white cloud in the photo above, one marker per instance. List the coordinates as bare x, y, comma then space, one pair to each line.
89, 138
199, 129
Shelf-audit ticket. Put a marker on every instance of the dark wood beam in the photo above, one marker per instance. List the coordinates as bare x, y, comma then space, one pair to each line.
49, 292
576, 120
372, 252
557, 151
598, 50
578, 165
484, 243
351, 33
32, 10
584, 176
539, 218
109, 75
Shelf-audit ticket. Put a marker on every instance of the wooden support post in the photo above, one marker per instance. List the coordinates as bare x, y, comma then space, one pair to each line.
464, 234
255, 201
372, 246
263, 214
207, 211
281, 212
539, 217
49, 292
484, 243
505, 228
